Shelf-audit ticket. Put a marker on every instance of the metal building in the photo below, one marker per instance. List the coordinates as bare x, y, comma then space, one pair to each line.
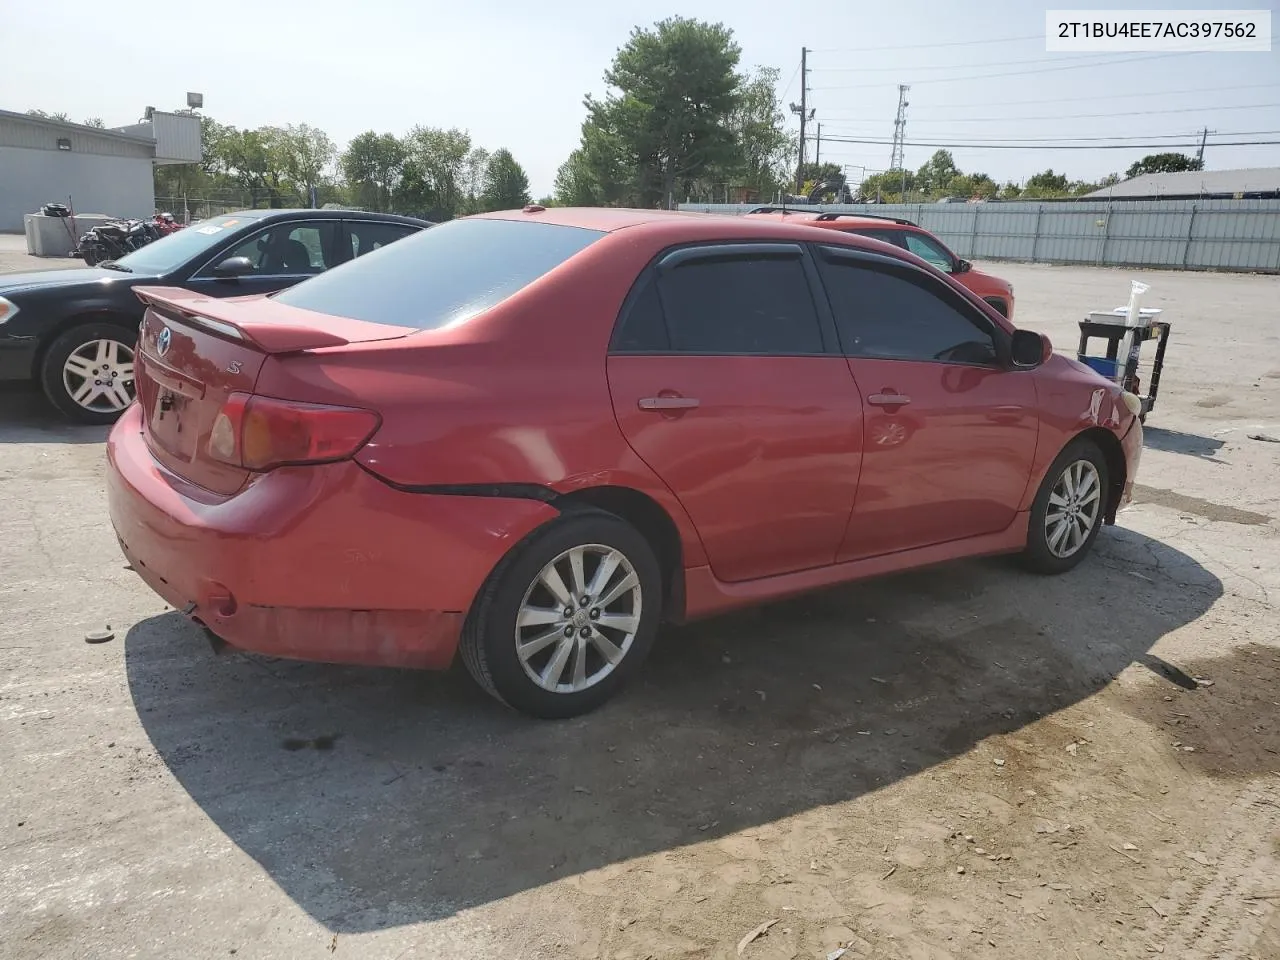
107, 171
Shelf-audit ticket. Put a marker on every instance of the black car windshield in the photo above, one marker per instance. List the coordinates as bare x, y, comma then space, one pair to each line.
444, 275
168, 253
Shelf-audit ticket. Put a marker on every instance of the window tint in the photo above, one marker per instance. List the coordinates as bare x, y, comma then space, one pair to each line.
928, 249
897, 314
442, 276
759, 305
643, 328
888, 236
366, 236
287, 249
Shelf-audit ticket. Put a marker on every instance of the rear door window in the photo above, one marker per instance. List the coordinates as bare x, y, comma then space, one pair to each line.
365, 236
442, 276
741, 305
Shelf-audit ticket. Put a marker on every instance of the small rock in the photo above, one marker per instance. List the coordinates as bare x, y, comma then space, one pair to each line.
1202, 682
1189, 749
111, 744
817, 687
999, 762
968, 838
980, 852
724, 658
1072, 748
959, 869
1128, 846
581, 790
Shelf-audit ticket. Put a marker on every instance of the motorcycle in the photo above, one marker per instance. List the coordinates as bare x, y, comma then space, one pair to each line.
116, 238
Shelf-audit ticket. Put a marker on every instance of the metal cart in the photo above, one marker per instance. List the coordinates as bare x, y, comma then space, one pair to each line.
1124, 349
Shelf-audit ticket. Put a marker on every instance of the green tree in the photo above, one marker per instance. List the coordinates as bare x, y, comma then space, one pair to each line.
302, 153
373, 165
506, 186
665, 122
1163, 163
888, 186
1046, 184
60, 117
473, 178
764, 147
95, 122
935, 175
435, 170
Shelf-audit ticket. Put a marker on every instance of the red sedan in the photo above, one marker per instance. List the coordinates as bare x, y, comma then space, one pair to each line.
535, 435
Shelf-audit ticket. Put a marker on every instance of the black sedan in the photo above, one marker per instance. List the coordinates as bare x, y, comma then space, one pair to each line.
73, 331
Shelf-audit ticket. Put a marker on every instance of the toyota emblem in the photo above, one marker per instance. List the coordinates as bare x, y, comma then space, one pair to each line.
162, 341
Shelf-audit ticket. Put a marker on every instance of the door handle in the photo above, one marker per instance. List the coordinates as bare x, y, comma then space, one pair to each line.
888, 400
666, 403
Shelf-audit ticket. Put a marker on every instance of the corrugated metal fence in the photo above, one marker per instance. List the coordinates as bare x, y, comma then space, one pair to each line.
1184, 234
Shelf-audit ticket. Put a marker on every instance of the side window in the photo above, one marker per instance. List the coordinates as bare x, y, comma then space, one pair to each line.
287, 249
928, 249
367, 235
740, 305
888, 236
898, 314
643, 328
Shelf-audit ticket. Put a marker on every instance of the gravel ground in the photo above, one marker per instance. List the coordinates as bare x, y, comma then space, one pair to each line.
960, 762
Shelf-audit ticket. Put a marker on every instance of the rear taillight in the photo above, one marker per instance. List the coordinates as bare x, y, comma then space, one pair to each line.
260, 433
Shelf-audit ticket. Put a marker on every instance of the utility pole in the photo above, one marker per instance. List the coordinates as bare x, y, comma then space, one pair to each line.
817, 150
899, 137
1200, 153
805, 113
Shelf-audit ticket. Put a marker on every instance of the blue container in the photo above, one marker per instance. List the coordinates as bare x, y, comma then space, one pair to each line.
1108, 368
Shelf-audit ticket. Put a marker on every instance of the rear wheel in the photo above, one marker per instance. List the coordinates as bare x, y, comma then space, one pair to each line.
567, 618
1069, 509
87, 372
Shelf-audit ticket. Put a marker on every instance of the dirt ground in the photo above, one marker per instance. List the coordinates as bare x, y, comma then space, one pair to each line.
962, 762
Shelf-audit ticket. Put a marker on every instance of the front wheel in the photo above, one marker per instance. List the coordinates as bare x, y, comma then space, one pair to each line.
87, 373
567, 617
1068, 510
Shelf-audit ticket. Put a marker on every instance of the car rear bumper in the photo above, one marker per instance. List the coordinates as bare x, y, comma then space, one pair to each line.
320, 563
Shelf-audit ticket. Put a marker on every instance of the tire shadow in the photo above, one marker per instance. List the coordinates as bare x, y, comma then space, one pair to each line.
376, 798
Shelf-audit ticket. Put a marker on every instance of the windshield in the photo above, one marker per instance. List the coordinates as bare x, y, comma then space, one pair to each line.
171, 252
442, 276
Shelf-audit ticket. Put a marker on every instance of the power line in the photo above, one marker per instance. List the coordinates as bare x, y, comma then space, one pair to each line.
1017, 73
1144, 136
1115, 96
929, 46
1092, 57
1063, 146
1061, 116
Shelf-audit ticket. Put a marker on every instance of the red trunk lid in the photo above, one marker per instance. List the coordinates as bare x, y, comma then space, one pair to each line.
194, 352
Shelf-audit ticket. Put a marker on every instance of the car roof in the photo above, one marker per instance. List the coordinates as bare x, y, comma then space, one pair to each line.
313, 213
604, 219
674, 227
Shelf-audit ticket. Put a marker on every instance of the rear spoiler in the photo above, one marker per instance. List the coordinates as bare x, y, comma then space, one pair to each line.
233, 320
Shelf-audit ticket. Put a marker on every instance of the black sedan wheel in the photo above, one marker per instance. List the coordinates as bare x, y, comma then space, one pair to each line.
87, 372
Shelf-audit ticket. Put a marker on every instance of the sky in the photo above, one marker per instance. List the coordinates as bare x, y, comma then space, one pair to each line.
514, 74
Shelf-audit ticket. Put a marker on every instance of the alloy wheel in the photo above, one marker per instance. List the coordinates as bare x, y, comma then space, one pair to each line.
98, 376
1074, 506
578, 618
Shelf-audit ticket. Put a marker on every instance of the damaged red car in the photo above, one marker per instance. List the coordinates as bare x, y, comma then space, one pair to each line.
533, 436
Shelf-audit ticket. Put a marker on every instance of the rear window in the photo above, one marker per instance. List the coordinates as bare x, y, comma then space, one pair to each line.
444, 275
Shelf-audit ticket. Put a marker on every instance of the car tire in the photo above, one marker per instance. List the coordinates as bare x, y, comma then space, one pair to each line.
1073, 494
524, 640
62, 377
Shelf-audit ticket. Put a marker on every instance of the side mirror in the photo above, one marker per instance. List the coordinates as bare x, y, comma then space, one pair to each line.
963, 266
233, 267
1029, 349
